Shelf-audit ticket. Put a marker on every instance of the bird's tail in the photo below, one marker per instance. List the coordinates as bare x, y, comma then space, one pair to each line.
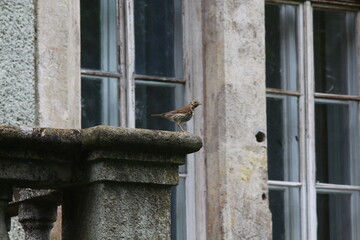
157, 115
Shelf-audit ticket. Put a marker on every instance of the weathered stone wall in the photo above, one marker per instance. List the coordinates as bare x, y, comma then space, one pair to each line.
234, 52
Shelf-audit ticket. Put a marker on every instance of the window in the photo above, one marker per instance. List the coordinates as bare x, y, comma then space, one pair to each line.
132, 66
313, 117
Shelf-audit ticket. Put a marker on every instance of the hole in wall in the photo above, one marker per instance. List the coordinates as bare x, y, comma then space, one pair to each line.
260, 136
263, 196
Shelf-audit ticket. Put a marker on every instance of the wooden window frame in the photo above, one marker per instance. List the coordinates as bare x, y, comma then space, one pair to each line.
307, 95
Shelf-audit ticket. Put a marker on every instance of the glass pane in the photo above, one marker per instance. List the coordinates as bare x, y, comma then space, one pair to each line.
178, 211
283, 138
99, 101
335, 216
281, 46
335, 52
155, 97
99, 35
285, 210
337, 141
158, 38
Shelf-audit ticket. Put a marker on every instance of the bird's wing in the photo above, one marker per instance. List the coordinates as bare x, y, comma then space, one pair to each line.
181, 110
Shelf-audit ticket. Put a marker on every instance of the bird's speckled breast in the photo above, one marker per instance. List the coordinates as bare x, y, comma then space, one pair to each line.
187, 117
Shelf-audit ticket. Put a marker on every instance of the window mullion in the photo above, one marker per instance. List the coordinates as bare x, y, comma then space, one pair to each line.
130, 63
302, 134
310, 123
122, 63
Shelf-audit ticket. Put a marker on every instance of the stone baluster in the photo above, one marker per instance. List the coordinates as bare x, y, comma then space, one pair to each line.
5, 198
36, 216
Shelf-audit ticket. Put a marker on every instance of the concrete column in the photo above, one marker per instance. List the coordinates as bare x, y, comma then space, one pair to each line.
235, 116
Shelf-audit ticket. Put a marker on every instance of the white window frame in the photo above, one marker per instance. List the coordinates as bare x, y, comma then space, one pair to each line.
307, 96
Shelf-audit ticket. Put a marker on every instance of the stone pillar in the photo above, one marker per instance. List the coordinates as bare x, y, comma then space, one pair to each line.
127, 179
58, 63
235, 116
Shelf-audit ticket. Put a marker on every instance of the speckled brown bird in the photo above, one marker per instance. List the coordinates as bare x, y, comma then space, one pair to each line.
180, 115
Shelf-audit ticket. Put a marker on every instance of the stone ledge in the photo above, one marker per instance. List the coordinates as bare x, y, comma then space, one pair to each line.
143, 140
58, 158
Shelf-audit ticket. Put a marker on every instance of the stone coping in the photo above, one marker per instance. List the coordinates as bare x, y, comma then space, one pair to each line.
99, 137
143, 140
59, 158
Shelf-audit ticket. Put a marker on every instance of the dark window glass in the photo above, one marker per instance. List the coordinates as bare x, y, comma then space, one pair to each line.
178, 211
158, 50
91, 105
152, 97
99, 35
283, 138
285, 209
336, 132
100, 101
334, 215
281, 46
277, 207
90, 34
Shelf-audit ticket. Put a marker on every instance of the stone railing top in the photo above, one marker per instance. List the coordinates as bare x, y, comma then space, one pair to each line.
143, 140
59, 158
37, 137
99, 137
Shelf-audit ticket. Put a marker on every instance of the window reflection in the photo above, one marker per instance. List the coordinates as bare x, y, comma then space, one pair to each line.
281, 46
99, 35
283, 138
336, 139
285, 209
335, 52
99, 101
334, 216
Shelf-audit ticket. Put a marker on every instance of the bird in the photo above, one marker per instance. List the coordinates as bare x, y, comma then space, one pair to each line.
180, 115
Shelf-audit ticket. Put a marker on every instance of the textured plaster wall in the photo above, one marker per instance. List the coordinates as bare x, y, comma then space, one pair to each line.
17, 69
234, 52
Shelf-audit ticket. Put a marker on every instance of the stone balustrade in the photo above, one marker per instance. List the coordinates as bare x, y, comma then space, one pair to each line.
112, 182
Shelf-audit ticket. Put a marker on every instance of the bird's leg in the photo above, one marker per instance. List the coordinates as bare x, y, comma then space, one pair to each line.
180, 126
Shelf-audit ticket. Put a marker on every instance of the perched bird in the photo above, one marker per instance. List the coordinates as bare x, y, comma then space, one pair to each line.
180, 115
